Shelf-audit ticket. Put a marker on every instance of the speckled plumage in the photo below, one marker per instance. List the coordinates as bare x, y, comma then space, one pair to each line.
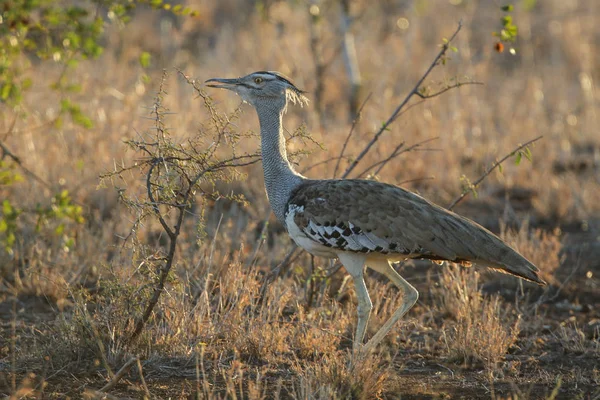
358, 221
368, 216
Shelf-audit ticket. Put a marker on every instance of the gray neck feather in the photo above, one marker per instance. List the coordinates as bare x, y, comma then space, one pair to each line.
280, 177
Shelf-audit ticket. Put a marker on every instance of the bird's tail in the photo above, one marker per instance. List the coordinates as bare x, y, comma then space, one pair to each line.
517, 265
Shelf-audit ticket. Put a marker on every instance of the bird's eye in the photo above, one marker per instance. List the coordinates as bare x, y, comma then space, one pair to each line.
258, 80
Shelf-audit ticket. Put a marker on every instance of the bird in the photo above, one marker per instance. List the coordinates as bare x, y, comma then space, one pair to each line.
363, 223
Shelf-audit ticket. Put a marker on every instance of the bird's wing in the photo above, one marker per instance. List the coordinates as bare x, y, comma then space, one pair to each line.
369, 216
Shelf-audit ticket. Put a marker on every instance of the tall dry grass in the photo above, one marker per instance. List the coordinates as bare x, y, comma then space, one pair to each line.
214, 333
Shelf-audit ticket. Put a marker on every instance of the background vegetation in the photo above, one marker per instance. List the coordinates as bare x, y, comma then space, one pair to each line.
83, 94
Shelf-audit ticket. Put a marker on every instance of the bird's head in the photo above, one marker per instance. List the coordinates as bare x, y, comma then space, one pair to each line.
262, 88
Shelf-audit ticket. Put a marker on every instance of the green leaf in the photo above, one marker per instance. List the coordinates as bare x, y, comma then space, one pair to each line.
10, 240
5, 90
529, 4
145, 59
507, 20
69, 242
7, 208
528, 154
508, 8
518, 158
26, 83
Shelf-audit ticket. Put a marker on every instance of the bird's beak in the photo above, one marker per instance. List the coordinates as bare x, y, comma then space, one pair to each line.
222, 83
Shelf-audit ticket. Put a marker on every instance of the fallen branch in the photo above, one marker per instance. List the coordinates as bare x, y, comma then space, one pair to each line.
119, 375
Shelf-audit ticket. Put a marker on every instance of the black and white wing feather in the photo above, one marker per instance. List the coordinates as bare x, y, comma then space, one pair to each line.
330, 216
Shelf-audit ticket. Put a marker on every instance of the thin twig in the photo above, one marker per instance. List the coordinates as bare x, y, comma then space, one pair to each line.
545, 297
333, 270
7, 153
425, 178
10, 130
119, 375
489, 171
356, 120
154, 203
395, 153
259, 241
327, 161
396, 112
139, 365
275, 272
445, 89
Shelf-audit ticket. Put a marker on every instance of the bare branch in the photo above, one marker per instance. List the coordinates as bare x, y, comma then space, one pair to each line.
395, 153
154, 203
490, 169
276, 272
425, 178
327, 161
7, 153
174, 172
445, 89
396, 112
120, 374
356, 120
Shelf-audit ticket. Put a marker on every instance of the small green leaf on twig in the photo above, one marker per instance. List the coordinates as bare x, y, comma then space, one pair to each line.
507, 8
518, 158
468, 186
145, 59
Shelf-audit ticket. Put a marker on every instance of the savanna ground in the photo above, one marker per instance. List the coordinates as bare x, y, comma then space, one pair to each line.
71, 292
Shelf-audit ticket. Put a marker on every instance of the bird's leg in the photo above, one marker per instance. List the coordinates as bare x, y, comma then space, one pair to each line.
409, 298
354, 264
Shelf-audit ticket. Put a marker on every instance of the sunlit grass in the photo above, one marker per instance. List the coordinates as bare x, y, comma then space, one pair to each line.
217, 331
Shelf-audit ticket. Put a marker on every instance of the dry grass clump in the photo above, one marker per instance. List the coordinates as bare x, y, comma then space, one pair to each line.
574, 340
336, 377
481, 330
217, 332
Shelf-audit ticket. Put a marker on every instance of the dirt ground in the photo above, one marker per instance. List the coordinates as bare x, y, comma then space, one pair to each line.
73, 289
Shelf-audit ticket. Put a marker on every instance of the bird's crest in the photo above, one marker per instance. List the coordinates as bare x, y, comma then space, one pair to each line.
293, 94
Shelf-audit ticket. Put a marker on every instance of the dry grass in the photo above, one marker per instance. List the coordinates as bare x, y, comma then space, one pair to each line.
481, 329
66, 311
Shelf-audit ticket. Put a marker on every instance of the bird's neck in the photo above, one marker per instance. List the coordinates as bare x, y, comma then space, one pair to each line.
280, 177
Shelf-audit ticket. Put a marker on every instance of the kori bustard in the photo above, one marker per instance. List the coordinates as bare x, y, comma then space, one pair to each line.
362, 222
